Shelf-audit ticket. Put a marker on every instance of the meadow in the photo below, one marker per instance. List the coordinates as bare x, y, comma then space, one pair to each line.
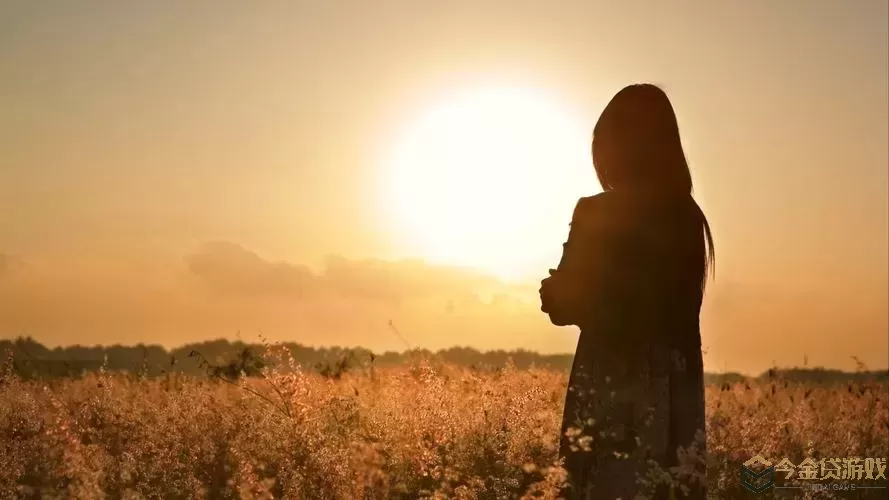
425, 429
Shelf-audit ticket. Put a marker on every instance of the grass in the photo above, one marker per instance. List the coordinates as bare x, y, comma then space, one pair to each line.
425, 429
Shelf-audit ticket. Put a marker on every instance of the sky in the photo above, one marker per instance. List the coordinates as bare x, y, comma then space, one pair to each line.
177, 171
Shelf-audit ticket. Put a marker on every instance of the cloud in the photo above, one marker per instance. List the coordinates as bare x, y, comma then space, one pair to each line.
223, 288
401, 280
231, 269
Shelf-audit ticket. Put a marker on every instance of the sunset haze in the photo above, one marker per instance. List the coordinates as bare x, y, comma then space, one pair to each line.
181, 171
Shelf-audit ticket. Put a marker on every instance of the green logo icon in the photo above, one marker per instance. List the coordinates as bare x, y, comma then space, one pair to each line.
757, 481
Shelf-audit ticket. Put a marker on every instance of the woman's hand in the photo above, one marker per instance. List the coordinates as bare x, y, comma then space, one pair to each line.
548, 303
544, 291
544, 297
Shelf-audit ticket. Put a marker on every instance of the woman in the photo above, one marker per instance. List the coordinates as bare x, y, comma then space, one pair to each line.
632, 277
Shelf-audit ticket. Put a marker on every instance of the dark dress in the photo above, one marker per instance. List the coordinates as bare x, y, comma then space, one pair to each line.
631, 278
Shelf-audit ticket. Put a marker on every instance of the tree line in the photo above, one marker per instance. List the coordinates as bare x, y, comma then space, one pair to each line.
231, 359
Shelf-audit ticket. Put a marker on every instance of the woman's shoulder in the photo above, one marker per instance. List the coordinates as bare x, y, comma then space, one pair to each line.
597, 205
624, 210
615, 204
600, 213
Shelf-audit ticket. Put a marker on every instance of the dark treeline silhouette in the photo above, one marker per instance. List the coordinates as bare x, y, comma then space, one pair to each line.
31, 359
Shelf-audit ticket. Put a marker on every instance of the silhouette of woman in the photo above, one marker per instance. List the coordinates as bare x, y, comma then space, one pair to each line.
632, 277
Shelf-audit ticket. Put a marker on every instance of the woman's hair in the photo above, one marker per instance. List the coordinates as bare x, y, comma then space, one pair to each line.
636, 147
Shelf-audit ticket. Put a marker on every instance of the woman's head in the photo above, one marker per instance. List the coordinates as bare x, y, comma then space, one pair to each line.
636, 143
637, 148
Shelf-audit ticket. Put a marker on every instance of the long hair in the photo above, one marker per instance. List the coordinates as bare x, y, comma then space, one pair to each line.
636, 147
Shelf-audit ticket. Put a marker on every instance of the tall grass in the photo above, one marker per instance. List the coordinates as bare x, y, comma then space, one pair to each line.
426, 429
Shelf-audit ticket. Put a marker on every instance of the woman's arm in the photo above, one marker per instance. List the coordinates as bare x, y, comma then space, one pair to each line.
565, 293
599, 267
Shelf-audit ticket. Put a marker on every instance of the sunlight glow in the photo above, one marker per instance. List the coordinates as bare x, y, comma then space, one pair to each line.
488, 178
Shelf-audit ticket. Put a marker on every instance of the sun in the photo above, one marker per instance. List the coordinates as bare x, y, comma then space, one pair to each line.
487, 178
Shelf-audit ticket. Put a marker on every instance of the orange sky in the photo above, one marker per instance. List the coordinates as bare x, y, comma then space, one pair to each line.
134, 135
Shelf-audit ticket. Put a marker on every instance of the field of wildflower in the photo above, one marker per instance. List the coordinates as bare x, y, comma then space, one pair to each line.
422, 430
